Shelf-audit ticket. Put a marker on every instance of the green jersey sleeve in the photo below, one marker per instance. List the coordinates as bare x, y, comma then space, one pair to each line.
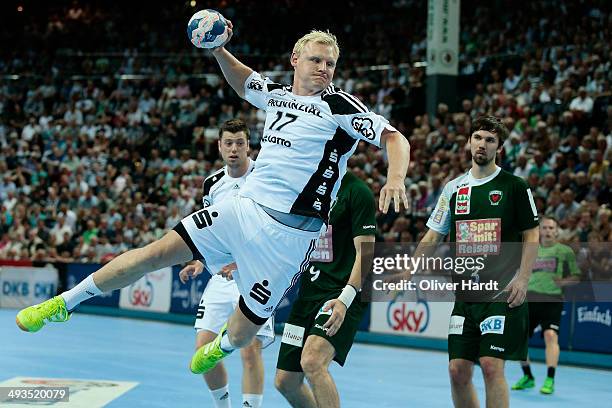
363, 210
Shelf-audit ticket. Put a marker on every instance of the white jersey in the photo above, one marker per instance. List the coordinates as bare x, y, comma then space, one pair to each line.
305, 145
217, 187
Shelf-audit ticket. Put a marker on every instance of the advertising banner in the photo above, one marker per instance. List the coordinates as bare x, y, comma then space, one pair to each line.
150, 293
411, 318
22, 286
593, 327
186, 296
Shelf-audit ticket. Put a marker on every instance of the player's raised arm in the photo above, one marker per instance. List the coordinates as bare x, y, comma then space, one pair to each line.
208, 29
234, 71
398, 152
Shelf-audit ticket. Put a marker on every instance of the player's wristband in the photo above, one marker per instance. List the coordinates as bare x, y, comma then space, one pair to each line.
348, 295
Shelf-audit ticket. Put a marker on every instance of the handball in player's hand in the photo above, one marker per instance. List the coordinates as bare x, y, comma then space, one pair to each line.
208, 29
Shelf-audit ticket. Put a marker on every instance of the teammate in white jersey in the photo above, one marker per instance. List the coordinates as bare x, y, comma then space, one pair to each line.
220, 298
271, 227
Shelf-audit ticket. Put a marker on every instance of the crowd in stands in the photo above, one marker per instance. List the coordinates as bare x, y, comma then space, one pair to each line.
108, 122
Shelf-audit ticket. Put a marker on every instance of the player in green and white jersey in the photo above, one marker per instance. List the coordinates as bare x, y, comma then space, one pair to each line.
555, 268
325, 317
484, 208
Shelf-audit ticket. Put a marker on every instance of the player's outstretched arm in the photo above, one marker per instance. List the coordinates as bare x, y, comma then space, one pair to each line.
398, 152
234, 71
340, 305
355, 278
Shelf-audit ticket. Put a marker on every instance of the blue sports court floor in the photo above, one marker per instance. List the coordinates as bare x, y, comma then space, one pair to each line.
155, 356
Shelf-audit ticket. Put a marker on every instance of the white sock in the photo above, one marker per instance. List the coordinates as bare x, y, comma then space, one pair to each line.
221, 397
86, 289
252, 400
225, 343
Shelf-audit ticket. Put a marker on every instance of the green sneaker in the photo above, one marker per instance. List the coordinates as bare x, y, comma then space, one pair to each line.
549, 386
207, 356
33, 318
524, 383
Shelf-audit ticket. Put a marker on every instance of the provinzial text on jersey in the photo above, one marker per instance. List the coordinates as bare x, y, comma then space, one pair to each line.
295, 105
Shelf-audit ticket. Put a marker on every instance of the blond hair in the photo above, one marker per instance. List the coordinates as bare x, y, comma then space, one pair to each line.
317, 36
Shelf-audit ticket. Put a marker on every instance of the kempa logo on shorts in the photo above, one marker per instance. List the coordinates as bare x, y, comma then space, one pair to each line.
260, 293
495, 348
493, 325
276, 140
204, 218
268, 309
318, 326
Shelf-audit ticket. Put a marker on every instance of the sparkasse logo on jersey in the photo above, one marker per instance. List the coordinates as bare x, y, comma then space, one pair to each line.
462, 204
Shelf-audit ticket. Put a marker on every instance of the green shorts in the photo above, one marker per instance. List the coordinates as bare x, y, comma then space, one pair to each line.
488, 330
307, 318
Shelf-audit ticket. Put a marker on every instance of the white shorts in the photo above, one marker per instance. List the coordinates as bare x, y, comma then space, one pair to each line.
218, 302
270, 256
